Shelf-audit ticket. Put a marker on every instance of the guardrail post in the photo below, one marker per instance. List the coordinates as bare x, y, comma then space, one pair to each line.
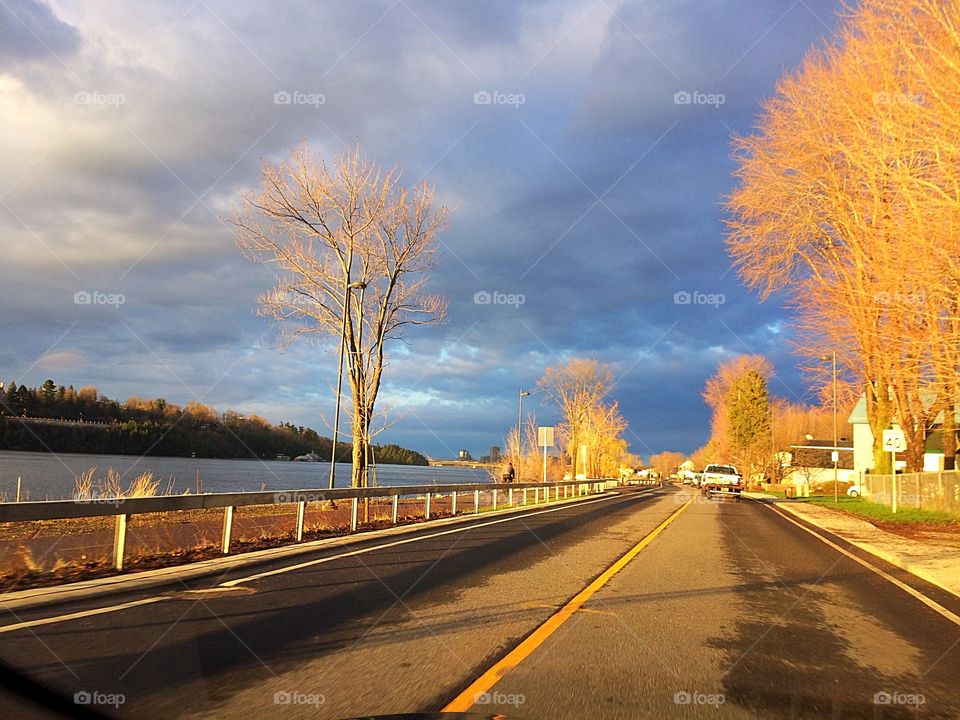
510, 497
119, 540
453, 503
536, 495
427, 513
227, 528
396, 509
353, 514
494, 498
524, 496
476, 502
301, 509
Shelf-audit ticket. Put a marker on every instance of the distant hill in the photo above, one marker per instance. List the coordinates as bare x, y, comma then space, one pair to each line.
93, 423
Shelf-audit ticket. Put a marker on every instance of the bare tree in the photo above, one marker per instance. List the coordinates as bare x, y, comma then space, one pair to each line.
577, 388
849, 200
325, 228
667, 462
602, 433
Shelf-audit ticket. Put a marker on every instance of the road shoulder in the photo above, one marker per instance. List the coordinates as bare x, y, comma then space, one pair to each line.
936, 564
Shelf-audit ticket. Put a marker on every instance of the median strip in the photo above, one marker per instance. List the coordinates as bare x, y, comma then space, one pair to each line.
467, 699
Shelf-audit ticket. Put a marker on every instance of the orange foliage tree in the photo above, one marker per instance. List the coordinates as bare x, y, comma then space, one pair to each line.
849, 198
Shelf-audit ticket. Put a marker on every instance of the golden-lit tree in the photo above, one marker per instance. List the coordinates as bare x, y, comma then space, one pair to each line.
701, 457
200, 412
602, 433
667, 462
848, 198
579, 388
528, 463
326, 227
716, 393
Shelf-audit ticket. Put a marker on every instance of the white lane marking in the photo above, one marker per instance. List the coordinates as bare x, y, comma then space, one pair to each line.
146, 601
932, 604
77, 615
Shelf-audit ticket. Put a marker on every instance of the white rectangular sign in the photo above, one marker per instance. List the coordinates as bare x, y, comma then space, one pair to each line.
545, 436
894, 440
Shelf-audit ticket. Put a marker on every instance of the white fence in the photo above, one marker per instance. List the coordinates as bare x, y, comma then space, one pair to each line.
928, 491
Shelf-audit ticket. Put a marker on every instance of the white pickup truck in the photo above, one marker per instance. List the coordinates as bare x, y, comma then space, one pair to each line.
721, 480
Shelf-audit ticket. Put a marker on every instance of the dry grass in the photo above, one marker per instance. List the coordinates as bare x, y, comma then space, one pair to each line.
87, 486
29, 563
144, 485
83, 486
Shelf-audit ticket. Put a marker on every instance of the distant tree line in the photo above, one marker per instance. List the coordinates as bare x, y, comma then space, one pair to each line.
156, 427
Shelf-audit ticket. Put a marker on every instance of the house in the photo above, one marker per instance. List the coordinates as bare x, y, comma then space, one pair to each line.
811, 463
933, 457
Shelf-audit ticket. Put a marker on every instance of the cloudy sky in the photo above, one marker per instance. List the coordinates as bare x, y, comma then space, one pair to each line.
583, 148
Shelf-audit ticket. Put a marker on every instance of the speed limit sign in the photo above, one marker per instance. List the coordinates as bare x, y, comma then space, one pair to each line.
894, 440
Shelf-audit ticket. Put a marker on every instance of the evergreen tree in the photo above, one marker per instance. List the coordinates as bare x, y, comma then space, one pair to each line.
749, 412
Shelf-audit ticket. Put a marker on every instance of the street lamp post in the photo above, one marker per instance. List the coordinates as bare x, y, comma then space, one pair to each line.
836, 451
336, 414
523, 394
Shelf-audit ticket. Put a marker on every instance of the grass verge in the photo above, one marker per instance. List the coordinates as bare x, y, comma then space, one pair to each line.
871, 511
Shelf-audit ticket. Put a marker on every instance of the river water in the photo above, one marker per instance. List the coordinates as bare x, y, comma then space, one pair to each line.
48, 476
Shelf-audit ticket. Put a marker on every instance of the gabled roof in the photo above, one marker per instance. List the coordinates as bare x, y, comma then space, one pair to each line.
858, 416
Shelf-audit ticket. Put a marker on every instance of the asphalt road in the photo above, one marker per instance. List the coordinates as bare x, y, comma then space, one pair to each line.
731, 611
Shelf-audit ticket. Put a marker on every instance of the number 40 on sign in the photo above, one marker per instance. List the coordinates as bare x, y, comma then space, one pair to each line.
894, 440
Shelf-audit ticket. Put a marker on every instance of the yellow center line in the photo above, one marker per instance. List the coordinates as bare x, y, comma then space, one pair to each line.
467, 699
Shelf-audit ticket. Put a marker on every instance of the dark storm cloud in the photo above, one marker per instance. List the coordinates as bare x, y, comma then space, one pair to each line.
29, 30
595, 203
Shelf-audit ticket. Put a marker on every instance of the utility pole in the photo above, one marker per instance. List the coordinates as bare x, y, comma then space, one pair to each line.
523, 394
835, 453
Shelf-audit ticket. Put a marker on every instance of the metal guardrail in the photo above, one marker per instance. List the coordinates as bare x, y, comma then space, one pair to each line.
123, 508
